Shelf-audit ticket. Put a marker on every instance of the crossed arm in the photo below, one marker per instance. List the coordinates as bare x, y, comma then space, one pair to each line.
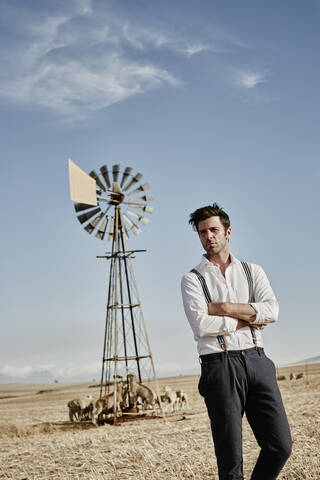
243, 312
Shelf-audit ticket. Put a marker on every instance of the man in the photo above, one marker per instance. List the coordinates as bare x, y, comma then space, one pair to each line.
228, 303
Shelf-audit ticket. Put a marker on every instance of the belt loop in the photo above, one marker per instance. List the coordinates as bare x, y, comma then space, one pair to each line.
259, 350
200, 361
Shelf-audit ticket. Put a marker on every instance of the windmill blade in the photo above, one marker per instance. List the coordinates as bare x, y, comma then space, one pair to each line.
116, 187
92, 225
86, 216
144, 208
148, 198
82, 186
134, 180
132, 226
102, 229
94, 175
125, 175
127, 220
110, 236
115, 172
105, 174
144, 220
136, 230
142, 188
79, 207
140, 219
145, 198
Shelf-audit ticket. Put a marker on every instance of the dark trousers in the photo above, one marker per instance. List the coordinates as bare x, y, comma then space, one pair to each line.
241, 382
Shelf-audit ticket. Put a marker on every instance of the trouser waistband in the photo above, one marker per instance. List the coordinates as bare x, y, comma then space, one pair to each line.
233, 353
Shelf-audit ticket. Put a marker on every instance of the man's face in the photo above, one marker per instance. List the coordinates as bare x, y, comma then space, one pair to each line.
213, 236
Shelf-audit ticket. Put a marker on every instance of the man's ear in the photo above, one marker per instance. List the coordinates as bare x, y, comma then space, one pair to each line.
228, 233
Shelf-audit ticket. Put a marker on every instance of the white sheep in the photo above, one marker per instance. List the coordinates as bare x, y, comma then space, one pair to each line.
104, 405
80, 408
148, 396
182, 399
170, 397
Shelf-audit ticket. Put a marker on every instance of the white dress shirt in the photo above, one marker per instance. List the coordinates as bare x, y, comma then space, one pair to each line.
231, 288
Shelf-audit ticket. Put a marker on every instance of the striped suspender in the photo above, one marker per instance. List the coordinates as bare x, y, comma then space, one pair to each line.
208, 298
247, 271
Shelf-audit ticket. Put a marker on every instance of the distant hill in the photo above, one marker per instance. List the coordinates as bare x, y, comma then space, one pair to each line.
36, 377
307, 360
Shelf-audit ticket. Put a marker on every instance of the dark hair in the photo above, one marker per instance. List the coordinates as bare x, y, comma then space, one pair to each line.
209, 211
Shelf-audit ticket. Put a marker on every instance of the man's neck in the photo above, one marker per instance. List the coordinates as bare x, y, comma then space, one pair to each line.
221, 260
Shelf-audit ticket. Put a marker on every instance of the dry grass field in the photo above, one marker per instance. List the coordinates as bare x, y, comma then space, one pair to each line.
38, 442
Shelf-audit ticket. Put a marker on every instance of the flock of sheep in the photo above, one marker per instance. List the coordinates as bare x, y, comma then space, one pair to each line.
131, 397
291, 376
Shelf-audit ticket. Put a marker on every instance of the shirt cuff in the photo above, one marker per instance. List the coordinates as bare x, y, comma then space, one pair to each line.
261, 314
258, 320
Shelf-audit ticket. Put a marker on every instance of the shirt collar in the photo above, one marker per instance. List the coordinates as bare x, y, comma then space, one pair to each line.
206, 264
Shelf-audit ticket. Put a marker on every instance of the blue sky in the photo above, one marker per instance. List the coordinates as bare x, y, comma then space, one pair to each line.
211, 101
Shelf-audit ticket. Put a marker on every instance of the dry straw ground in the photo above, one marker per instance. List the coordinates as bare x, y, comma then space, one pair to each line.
38, 442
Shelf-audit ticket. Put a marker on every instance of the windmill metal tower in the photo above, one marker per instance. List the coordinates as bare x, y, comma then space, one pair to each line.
110, 209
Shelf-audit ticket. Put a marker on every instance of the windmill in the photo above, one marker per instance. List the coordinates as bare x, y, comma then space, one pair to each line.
111, 209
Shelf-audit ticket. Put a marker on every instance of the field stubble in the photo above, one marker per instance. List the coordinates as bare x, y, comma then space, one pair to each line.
38, 442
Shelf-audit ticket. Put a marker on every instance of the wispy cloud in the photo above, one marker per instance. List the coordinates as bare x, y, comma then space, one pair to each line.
249, 79
75, 88
74, 62
141, 38
191, 50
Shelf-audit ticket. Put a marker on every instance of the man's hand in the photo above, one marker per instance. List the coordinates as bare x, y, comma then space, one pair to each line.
242, 323
260, 327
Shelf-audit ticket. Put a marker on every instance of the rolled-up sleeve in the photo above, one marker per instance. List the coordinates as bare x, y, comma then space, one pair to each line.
265, 304
196, 310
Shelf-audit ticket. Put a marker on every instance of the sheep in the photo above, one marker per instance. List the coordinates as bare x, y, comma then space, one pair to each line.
86, 407
148, 396
80, 408
140, 403
104, 405
128, 400
281, 377
299, 375
182, 399
164, 402
74, 410
171, 397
